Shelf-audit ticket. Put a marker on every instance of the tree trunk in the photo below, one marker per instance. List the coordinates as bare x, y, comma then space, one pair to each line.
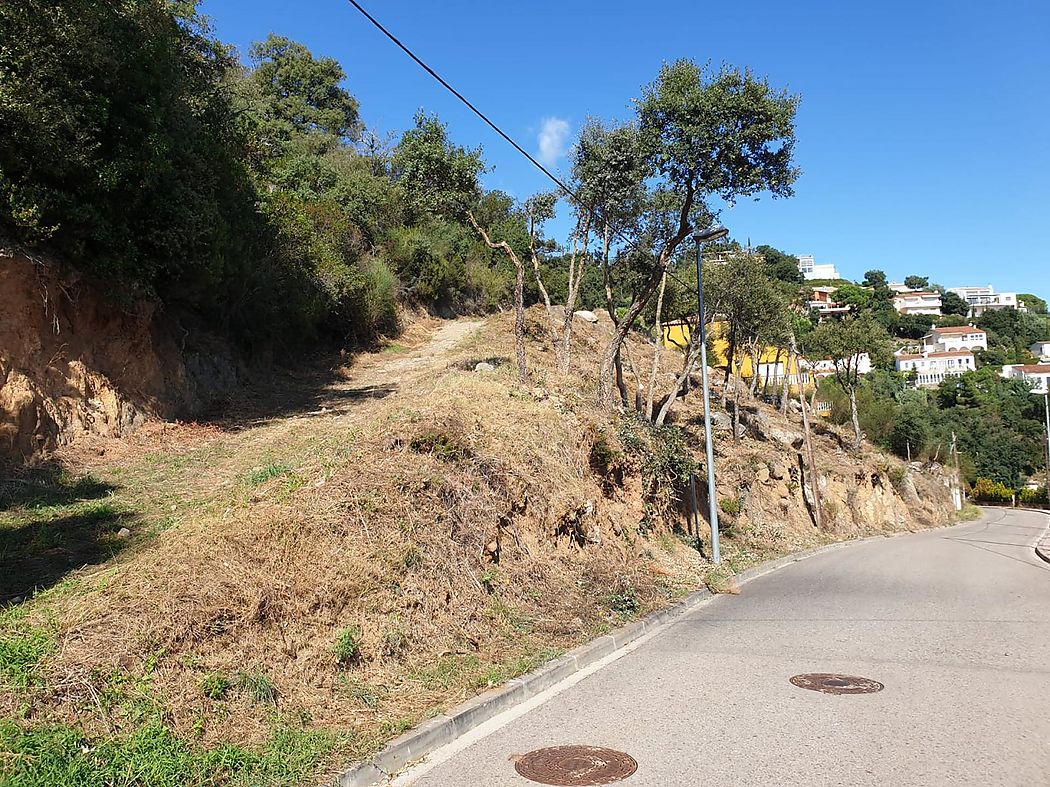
576, 266
857, 437
755, 355
605, 373
692, 352
814, 480
519, 296
736, 400
546, 298
656, 350
785, 384
519, 322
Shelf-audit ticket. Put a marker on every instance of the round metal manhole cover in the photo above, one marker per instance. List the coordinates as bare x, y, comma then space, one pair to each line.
829, 683
574, 766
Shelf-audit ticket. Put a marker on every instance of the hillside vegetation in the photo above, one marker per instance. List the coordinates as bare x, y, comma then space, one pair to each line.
312, 576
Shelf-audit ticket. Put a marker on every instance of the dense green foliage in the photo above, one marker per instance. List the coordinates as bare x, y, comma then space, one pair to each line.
137, 147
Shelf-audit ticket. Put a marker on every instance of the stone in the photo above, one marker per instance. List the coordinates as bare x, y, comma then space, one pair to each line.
586, 316
484, 367
777, 470
123, 533
762, 474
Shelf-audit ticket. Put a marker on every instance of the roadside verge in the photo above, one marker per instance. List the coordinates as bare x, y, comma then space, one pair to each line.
443, 729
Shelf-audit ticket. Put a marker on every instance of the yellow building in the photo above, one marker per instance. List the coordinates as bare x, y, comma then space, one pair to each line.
771, 361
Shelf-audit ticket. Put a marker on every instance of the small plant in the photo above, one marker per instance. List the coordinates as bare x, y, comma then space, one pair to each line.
347, 647
1033, 497
730, 506
604, 456
395, 642
412, 557
441, 444
258, 686
214, 686
263, 474
488, 579
896, 475
624, 602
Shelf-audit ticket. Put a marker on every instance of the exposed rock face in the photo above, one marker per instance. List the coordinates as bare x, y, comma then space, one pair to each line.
74, 360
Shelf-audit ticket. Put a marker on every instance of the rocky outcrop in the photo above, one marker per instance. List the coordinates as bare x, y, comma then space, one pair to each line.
75, 359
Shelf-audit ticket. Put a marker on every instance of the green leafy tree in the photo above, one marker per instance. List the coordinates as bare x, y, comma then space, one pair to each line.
781, 266
1033, 303
292, 95
912, 431
916, 282
953, 304
435, 176
844, 343
726, 133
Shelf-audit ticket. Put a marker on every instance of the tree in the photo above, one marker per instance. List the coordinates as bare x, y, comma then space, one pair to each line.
435, 176
916, 282
844, 343
857, 298
726, 133
1033, 303
912, 431
780, 265
519, 300
951, 303
294, 94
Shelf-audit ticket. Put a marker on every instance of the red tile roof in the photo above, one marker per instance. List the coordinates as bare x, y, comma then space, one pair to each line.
1034, 368
958, 329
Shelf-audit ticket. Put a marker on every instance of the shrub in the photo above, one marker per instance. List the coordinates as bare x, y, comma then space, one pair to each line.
347, 647
985, 490
730, 506
666, 465
1033, 497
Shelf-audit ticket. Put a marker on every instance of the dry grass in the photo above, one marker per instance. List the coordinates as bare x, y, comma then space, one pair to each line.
456, 526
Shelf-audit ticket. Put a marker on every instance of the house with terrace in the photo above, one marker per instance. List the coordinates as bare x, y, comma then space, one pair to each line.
929, 369
955, 339
1035, 374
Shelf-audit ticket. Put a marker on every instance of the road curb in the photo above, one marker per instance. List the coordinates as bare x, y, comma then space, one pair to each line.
443, 729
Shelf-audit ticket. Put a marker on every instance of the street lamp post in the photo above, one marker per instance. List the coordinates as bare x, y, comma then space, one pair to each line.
1046, 405
700, 237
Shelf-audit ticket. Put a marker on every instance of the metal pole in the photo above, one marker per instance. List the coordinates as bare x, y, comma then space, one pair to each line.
712, 498
1046, 404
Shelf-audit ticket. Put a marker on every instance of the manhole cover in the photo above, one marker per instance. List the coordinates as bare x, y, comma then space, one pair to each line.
836, 684
576, 765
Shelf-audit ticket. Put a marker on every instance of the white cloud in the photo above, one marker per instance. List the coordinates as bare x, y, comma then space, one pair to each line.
553, 136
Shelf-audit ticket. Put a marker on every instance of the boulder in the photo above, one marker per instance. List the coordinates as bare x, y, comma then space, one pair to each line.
586, 316
484, 367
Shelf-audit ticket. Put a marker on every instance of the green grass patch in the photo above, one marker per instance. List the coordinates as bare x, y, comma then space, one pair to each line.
154, 756
261, 475
22, 647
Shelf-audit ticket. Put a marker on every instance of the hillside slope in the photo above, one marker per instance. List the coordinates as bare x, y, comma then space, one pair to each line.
353, 551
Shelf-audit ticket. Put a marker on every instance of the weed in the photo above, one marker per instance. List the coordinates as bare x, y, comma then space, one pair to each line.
443, 445
361, 692
896, 474
395, 642
263, 474
20, 653
214, 686
730, 506
666, 465
488, 579
412, 558
347, 647
258, 686
624, 602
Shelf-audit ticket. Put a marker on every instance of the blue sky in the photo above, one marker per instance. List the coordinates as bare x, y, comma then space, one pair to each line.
923, 130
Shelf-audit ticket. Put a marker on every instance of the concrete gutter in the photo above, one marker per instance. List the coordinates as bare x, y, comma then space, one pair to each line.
445, 728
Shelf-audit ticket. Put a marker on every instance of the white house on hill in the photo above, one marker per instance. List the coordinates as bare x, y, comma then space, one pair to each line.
810, 270
931, 368
1041, 350
1038, 374
983, 299
955, 339
918, 302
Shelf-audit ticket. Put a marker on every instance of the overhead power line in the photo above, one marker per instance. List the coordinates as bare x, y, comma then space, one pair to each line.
631, 243
465, 100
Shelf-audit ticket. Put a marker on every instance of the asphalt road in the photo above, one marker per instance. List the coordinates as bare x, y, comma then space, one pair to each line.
955, 623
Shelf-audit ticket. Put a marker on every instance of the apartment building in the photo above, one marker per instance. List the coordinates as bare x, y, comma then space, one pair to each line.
983, 299
810, 270
931, 368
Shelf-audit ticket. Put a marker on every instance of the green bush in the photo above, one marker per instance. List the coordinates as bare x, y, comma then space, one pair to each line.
985, 490
347, 647
1033, 497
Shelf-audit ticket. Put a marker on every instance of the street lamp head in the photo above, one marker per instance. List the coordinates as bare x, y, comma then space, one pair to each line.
712, 233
